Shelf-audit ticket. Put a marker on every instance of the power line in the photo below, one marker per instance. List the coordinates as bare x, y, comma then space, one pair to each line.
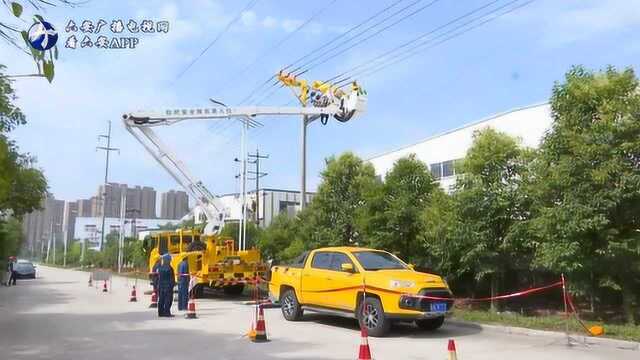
247, 7
278, 44
323, 56
266, 82
370, 61
308, 65
418, 49
343, 34
258, 174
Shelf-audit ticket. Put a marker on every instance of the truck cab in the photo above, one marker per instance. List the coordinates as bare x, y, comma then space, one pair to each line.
371, 285
212, 259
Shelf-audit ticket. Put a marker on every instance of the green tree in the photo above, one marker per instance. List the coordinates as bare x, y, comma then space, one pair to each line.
331, 218
394, 211
10, 115
277, 238
252, 232
440, 235
588, 181
135, 253
22, 187
74, 252
10, 237
489, 204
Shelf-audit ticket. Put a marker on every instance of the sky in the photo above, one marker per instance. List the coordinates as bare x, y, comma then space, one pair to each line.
510, 62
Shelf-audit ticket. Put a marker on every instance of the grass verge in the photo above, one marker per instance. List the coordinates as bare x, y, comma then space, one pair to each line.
551, 322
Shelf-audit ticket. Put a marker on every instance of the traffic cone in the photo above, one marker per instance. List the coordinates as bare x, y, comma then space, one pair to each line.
133, 297
104, 287
451, 348
365, 351
154, 299
261, 331
252, 333
90, 281
191, 309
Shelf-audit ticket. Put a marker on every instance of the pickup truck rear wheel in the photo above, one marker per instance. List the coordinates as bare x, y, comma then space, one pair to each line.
371, 315
430, 324
291, 309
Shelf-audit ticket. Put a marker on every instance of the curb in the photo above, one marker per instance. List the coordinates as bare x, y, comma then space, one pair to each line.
577, 339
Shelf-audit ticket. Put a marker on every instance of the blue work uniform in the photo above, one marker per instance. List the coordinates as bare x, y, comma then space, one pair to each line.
154, 275
183, 284
166, 282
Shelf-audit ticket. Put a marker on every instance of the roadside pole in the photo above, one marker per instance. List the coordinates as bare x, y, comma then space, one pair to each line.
303, 162
123, 207
108, 149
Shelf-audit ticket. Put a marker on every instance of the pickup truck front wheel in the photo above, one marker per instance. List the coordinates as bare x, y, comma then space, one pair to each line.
371, 315
291, 309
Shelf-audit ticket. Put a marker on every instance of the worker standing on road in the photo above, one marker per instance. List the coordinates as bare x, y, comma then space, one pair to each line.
183, 284
154, 275
7, 273
166, 282
12, 271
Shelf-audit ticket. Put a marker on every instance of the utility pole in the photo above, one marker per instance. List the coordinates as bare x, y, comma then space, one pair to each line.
303, 162
123, 208
107, 149
49, 240
243, 178
256, 161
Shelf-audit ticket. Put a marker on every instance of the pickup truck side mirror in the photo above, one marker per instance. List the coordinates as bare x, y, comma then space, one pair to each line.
347, 267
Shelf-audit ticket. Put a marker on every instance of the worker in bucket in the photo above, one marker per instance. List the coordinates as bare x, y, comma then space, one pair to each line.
166, 282
183, 284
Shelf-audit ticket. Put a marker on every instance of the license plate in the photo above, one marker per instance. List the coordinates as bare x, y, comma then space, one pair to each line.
439, 307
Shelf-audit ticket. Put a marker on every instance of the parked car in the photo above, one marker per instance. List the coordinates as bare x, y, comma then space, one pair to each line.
25, 269
331, 280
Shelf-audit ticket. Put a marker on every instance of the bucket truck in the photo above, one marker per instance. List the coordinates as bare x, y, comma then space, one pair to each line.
217, 263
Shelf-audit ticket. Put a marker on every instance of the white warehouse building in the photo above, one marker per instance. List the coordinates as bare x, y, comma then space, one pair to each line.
88, 228
440, 152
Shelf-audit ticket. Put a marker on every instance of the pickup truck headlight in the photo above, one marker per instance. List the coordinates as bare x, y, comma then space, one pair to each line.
394, 284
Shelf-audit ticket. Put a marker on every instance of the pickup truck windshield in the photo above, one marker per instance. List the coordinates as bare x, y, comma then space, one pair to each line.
378, 260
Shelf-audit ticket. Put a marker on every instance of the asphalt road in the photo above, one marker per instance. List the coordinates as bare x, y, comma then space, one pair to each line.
57, 316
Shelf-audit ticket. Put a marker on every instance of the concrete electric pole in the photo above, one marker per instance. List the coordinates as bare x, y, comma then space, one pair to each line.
257, 175
107, 149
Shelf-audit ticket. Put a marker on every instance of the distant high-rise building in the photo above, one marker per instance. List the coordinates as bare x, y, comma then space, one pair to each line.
174, 204
96, 206
148, 203
69, 220
83, 206
38, 224
111, 195
139, 200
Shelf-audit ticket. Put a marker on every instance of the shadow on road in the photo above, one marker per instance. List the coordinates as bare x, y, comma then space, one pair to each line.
398, 330
123, 335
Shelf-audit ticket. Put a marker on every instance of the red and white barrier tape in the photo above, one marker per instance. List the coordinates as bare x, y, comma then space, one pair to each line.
499, 297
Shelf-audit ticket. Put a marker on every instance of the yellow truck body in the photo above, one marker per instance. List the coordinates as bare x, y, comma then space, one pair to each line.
218, 265
371, 285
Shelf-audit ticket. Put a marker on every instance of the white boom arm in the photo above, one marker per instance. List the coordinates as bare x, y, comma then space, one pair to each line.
140, 124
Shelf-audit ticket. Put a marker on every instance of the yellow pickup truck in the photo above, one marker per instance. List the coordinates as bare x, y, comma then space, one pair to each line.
373, 286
